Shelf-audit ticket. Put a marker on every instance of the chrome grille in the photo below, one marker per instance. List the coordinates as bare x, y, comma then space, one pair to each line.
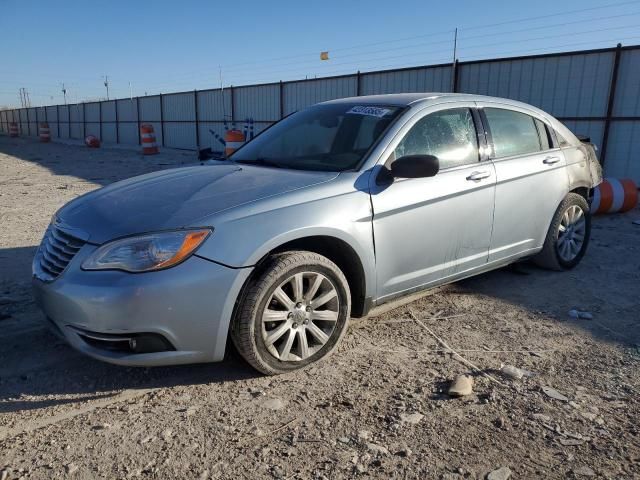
54, 254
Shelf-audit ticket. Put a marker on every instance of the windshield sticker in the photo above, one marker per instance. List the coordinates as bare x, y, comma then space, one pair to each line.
367, 110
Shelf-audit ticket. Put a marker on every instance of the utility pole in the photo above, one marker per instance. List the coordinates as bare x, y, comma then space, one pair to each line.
106, 84
21, 98
64, 93
455, 44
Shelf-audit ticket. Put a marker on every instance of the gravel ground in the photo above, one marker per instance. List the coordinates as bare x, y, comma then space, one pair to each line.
377, 409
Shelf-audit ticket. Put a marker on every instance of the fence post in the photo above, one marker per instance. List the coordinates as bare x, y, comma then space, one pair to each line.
358, 85
233, 105
161, 120
281, 93
138, 119
454, 75
610, 104
195, 106
58, 120
115, 106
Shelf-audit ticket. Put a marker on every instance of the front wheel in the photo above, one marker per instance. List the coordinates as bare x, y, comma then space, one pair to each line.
568, 235
294, 313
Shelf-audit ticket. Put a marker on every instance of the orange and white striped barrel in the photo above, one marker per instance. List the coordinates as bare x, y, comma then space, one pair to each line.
13, 129
92, 141
233, 140
614, 195
45, 133
148, 139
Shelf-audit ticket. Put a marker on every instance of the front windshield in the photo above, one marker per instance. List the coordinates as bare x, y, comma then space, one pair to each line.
329, 137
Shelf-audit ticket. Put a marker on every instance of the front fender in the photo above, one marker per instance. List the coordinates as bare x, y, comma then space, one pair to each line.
241, 238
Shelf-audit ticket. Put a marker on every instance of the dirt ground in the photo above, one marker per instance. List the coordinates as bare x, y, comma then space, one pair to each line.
377, 409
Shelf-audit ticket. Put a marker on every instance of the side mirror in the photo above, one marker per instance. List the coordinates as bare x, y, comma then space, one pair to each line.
415, 166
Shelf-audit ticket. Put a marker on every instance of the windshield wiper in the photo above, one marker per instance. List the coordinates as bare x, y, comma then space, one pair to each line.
261, 161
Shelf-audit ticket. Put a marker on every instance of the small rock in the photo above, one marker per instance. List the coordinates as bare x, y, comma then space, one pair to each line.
102, 426
589, 416
364, 434
4, 474
345, 440
514, 373
70, 468
553, 393
377, 449
256, 431
542, 417
502, 473
581, 314
166, 434
571, 442
404, 452
583, 472
411, 418
273, 404
461, 386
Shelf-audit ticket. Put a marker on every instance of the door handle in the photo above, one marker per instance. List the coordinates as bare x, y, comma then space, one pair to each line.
477, 176
551, 160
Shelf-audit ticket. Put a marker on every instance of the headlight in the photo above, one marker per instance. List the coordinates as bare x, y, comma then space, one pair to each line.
154, 251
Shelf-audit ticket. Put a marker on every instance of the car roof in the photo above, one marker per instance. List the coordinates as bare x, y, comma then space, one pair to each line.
409, 99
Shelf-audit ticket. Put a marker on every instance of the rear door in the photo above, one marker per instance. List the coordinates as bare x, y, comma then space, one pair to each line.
427, 230
531, 179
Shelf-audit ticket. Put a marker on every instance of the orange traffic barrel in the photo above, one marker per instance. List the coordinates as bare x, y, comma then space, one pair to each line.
13, 129
45, 133
148, 139
233, 140
92, 141
614, 195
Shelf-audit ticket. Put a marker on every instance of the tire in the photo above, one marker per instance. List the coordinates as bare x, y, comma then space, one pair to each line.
308, 322
551, 256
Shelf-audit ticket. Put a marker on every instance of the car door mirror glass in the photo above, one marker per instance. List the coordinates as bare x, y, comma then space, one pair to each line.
415, 166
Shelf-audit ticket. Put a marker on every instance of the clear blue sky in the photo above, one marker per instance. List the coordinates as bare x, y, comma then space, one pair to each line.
166, 46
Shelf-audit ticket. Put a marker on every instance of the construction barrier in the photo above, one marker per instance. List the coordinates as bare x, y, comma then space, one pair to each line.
13, 129
92, 141
45, 133
148, 139
614, 195
233, 140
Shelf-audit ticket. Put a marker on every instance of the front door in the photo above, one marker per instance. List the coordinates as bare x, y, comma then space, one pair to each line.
427, 230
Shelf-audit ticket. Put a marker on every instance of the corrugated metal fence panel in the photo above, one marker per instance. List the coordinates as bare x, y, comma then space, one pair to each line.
150, 109
52, 119
627, 101
128, 121
179, 107
207, 139
41, 114
127, 110
435, 79
92, 112
260, 102
33, 124
180, 135
623, 153
63, 114
565, 86
109, 111
150, 113
214, 105
298, 95
75, 121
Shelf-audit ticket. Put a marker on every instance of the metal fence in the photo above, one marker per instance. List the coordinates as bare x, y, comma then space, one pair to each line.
594, 92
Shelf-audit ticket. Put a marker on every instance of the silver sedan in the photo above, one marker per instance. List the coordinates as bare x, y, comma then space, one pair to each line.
335, 209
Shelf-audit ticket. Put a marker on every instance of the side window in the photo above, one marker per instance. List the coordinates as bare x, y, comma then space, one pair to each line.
513, 133
449, 135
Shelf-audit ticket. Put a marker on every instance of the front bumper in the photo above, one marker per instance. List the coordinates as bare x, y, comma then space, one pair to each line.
186, 308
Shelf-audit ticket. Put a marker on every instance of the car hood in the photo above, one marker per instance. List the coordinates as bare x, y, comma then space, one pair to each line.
177, 198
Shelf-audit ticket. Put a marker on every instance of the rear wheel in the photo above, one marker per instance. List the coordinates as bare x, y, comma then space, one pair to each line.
568, 235
293, 313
